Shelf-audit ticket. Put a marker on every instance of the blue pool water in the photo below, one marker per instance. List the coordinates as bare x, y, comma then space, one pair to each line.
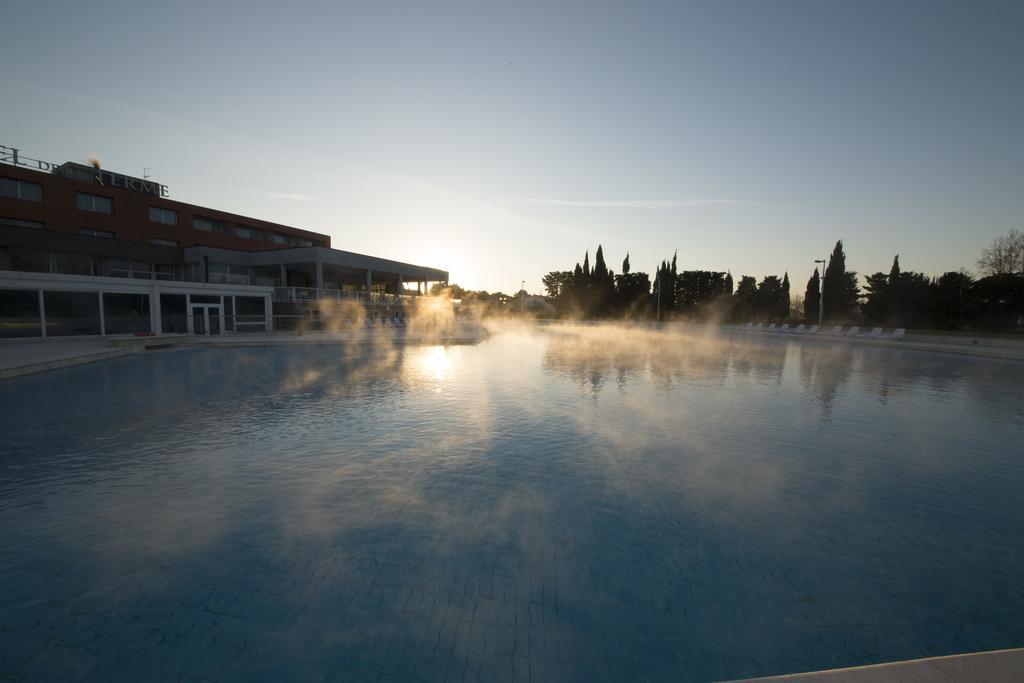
547, 506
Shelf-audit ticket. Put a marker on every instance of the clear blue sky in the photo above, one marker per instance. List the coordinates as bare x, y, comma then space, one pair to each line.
501, 140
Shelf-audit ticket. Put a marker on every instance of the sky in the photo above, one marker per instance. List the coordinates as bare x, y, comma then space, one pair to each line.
501, 141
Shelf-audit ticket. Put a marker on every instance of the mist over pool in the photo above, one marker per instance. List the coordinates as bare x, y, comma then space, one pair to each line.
575, 503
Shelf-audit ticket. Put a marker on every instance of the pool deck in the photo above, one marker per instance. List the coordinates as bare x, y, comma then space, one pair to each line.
38, 355
978, 667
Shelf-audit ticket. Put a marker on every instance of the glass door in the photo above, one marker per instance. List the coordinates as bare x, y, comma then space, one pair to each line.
205, 319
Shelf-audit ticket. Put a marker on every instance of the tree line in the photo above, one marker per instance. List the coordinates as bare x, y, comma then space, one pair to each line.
952, 301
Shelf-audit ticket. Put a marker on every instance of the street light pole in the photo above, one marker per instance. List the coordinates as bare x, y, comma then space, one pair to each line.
821, 293
658, 282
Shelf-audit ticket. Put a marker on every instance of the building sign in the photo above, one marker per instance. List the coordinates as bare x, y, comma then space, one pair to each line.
89, 174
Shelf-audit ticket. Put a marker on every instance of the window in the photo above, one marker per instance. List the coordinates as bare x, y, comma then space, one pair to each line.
227, 274
24, 260
278, 238
71, 313
74, 264
248, 233
142, 270
92, 232
20, 223
21, 189
208, 224
19, 313
193, 272
173, 316
93, 202
164, 243
163, 271
117, 268
166, 216
126, 313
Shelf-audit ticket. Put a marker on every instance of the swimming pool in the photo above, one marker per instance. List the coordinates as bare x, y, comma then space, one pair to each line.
559, 505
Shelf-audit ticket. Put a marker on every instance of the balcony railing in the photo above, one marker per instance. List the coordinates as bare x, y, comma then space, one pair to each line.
228, 279
301, 294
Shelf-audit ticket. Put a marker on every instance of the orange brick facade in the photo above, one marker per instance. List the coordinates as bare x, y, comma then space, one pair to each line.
129, 219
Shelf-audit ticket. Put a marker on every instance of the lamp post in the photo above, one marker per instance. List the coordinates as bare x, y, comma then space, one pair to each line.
821, 293
658, 282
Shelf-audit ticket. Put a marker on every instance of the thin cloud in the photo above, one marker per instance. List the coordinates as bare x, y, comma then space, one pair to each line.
630, 203
290, 196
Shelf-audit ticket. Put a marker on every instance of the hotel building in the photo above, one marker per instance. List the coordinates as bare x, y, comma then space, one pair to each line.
84, 251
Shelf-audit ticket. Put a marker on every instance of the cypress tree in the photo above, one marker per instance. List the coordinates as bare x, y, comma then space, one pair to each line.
728, 282
600, 272
784, 300
625, 265
586, 267
894, 292
834, 285
812, 298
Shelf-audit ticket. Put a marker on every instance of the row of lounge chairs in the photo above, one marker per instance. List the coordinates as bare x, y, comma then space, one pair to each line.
386, 321
837, 331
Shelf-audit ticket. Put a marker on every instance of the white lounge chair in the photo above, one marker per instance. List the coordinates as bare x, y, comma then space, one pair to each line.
800, 329
875, 333
837, 330
854, 331
760, 326
784, 328
898, 333
813, 329
771, 327
749, 326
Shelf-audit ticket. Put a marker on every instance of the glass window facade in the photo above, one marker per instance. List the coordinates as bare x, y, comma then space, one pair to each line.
208, 224
125, 313
71, 313
93, 232
248, 233
21, 223
93, 202
161, 215
21, 189
173, 314
142, 270
250, 312
164, 243
24, 260
229, 313
19, 313
74, 264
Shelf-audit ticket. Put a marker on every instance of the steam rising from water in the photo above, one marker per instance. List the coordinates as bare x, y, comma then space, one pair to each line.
703, 500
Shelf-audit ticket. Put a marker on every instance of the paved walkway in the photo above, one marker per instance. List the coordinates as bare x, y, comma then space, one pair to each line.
36, 355
979, 667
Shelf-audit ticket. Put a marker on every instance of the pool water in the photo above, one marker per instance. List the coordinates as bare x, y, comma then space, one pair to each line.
569, 504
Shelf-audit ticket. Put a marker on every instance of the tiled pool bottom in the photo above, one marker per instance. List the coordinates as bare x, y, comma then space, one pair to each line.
538, 507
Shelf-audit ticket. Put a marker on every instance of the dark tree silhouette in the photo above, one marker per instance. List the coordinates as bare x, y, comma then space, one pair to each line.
812, 298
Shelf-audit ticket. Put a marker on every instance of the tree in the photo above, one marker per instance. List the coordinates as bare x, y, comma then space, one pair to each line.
839, 287
812, 298
625, 264
557, 283
876, 300
1005, 256
784, 299
745, 299
951, 301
